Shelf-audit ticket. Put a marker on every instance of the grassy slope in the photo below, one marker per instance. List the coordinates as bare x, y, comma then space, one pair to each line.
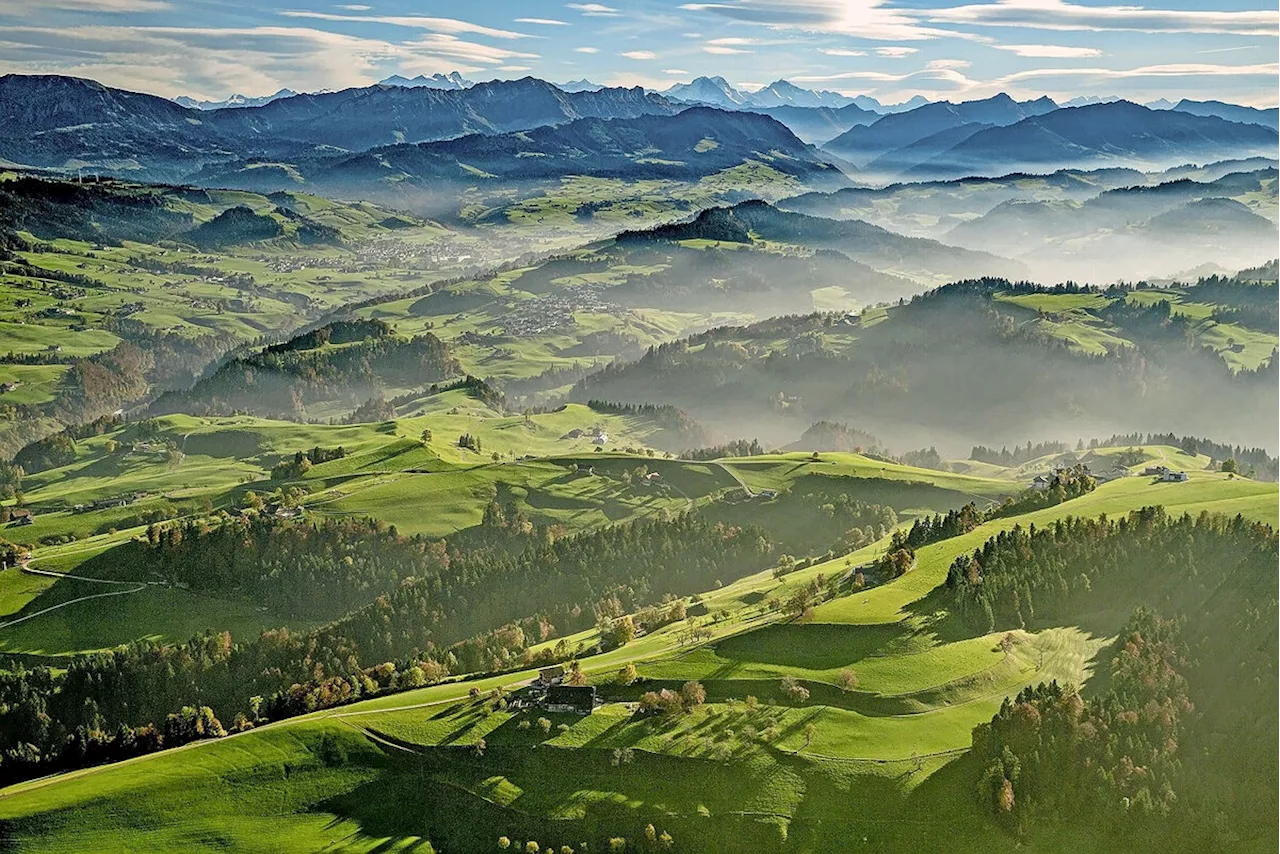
942, 686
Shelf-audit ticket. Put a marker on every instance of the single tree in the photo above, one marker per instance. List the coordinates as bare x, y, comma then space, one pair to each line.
848, 680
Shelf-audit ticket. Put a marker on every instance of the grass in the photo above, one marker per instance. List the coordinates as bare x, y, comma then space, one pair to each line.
725, 772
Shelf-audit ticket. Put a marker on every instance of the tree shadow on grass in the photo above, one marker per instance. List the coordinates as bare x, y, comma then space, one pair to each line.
816, 646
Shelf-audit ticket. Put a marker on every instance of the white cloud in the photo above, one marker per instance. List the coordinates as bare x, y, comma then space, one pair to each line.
896, 52
1177, 69
675, 72
1062, 15
640, 54
945, 64
356, 7
868, 19
211, 62
513, 68
436, 25
1049, 51
439, 44
587, 49
734, 41
595, 10
721, 50
841, 51
25, 7
1230, 49
546, 22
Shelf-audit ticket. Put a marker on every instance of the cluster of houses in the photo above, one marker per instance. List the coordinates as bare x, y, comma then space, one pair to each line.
1043, 482
598, 436
106, 503
555, 310
550, 693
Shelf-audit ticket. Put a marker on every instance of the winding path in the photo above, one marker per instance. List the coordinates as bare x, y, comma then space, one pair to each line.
134, 587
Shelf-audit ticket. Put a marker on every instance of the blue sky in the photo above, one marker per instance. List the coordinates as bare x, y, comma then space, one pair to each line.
892, 49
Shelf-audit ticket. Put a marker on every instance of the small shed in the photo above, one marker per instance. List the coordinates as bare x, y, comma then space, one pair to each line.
551, 675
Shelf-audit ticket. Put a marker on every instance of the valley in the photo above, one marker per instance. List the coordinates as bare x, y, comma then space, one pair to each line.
449, 466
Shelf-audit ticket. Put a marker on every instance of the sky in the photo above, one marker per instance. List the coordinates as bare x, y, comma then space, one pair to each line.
890, 49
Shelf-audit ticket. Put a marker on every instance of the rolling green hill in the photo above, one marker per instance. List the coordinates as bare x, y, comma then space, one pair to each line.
898, 737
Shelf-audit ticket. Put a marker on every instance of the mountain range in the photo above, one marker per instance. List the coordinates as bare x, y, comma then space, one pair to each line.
863, 145
1118, 133
234, 101
66, 123
69, 122
452, 80
691, 145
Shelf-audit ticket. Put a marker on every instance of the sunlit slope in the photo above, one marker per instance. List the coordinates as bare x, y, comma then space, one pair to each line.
320, 781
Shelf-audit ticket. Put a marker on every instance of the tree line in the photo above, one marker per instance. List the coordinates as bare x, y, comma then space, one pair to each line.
429, 608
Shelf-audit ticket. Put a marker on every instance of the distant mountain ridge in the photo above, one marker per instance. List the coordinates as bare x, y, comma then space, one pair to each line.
452, 80
234, 102
862, 145
695, 143
718, 92
1116, 133
52, 121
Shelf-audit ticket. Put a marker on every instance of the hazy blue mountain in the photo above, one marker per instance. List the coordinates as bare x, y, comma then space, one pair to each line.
711, 91
452, 80
1231, 112
234, 101
1119, 133
899, 160
784, 92
698, 142
358, 119
819, 124
869, 103
582, 85
867, 244
1087, 100
52, 121
718, 92
861, 145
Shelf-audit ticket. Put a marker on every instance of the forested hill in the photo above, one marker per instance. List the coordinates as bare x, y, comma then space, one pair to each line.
868, 244
348, 363
976, 358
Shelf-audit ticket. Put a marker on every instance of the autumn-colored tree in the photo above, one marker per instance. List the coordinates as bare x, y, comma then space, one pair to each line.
848, 680
693, 694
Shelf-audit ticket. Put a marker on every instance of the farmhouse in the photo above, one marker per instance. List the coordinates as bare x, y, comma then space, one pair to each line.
768, 494
1111, 474
601, 438
1174, 477
580, 699
1156, 470
22, 516
550, 675
1040, 483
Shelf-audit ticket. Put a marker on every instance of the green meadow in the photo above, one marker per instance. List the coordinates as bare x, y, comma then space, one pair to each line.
461, 772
